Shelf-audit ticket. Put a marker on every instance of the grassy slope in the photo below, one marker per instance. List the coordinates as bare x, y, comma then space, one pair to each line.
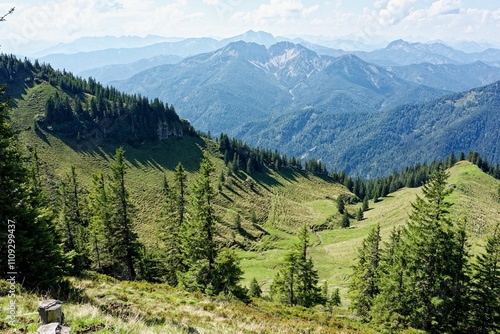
282, 202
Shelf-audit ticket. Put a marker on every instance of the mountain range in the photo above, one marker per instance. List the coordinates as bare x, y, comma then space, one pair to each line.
350, 109
347, 112
245, 82
86, 56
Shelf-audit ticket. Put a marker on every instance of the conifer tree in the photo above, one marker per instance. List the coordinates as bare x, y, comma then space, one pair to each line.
364, 284
173, 216
72, 221
198, 232
126, 245
429, 271
206, 268
359, 215
365, 204
485, 294
24, 214
308, 293
255, 290
389, 306
430, 245
100, 245
297, 282
345, 221
340, 204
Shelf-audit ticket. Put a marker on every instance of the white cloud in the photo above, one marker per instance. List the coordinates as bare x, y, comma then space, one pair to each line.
211, 2
443, 7
389, 12
279, 11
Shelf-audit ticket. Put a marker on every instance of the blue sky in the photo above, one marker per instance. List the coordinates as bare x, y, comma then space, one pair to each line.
54, 21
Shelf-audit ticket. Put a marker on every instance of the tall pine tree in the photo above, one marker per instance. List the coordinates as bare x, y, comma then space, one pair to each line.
365, 279
126, 245
72, 221
297, 281
429, 270
485, 295
24, 214
197, 233
173, 217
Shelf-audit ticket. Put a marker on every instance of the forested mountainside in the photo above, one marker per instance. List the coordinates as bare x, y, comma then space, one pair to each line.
452, 77
348, 113
86, 109
244, 82
371, 144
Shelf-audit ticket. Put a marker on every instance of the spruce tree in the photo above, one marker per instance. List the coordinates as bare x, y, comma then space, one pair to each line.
126, 245
359, 215
425, 285
100, 245
389, 307
308, 292
205, 267
365, 204
340, 204
173, 216
24, 214
364, 286
485, 290
198, 232
345, 221
255, 290
72, 221
431, 247
297, 281
284, 285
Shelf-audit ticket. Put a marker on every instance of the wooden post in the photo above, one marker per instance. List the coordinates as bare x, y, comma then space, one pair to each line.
51, 311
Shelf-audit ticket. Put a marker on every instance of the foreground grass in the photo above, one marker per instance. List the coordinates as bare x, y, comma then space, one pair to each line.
104, 305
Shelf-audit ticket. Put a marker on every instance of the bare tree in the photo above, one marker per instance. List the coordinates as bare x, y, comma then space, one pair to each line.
2, 18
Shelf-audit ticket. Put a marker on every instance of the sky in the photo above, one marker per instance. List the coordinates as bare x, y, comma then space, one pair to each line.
39, 24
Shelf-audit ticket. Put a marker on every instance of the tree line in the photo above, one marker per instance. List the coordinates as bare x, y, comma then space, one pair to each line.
98, 232
84, 105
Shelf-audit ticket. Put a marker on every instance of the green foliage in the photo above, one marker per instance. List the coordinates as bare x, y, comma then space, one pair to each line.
297, 282
359, 214
205, 268
87, 107
227, 274
72, 221
425, 270
345, 222
335, 298
365, 206
100, 245
197, 234
172, 220
125, 241
255, 289
340, 204
485, 289
365, 279
27, 223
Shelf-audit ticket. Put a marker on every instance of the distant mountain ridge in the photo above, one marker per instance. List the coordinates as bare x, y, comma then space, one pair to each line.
79, 57
368, 144
242, 82
400, 52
